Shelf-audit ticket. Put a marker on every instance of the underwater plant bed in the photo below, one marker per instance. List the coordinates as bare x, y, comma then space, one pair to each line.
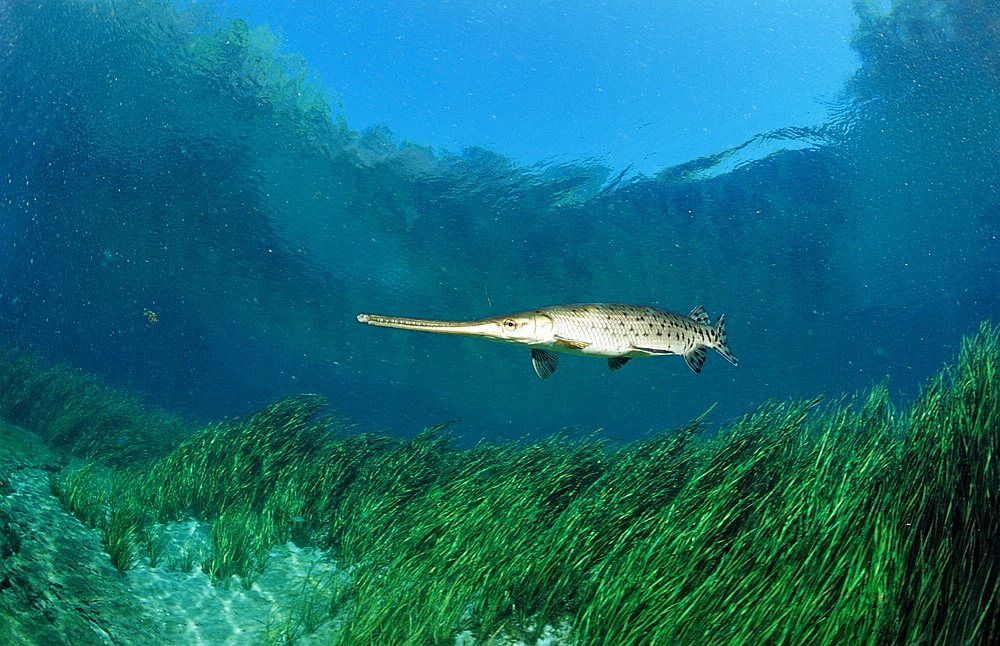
828, 522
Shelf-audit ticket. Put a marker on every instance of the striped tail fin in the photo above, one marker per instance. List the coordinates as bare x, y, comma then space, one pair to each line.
720, 341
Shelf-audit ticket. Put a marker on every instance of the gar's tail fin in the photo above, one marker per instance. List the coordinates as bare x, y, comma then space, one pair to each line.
720, 341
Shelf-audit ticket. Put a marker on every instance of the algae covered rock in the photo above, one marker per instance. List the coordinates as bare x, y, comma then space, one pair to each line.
22, 448
57, 586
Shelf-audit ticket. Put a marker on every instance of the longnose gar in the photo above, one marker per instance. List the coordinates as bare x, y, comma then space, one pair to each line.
618, 332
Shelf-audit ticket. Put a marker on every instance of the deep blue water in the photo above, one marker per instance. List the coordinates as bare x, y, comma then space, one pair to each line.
187, 212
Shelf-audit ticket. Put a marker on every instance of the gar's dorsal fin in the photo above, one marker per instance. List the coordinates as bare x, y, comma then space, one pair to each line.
699, 315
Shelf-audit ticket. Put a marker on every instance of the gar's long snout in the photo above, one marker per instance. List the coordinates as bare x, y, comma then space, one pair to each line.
491, 328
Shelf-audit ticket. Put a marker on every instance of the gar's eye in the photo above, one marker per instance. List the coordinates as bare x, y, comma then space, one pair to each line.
510, 325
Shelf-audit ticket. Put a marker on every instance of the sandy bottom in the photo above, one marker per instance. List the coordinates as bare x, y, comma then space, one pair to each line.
288, 602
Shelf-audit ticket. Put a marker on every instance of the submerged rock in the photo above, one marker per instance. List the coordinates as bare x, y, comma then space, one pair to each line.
57, 585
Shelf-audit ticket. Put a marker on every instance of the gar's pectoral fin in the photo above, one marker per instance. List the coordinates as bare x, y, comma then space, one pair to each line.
544, 362
571, 344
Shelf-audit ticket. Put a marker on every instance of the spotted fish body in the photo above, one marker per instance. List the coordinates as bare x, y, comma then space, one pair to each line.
617, 332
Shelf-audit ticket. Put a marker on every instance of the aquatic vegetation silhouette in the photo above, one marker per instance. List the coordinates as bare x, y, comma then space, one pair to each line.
803, 522
77, 413
946, 502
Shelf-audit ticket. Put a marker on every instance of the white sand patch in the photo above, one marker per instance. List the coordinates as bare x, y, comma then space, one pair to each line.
547, 636
289, 601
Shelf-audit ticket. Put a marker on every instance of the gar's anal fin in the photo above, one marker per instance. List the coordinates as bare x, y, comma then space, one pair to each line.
695, 359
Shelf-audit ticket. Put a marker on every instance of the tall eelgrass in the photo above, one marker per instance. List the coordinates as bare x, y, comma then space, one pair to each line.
804, 522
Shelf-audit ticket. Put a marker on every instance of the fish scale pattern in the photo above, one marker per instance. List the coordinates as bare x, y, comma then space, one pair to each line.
613, 329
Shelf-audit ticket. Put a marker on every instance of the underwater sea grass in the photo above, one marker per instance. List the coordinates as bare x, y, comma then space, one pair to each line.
249, 479
499, 550
472, 552
241, 538
788, 527
237, 464
759, 547
948, 509
120, 531
849, 521
83, 492
388, 481
104, 499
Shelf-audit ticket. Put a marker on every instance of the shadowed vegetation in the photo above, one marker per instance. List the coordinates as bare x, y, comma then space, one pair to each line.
74, 412
803, 522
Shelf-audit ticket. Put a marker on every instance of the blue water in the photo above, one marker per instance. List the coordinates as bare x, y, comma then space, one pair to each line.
640, 84
196, 209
